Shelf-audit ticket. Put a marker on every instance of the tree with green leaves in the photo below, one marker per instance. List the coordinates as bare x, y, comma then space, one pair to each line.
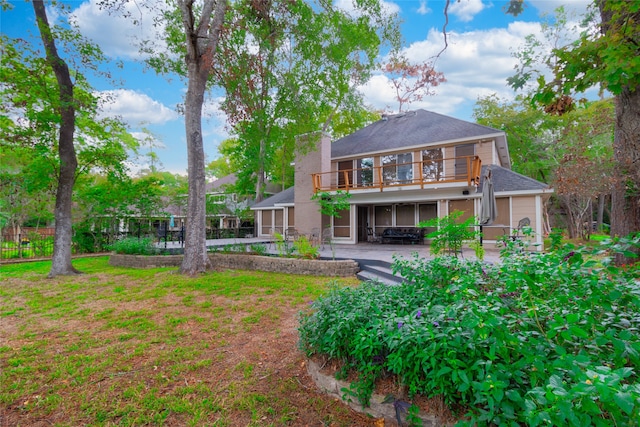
531, 133
61, 261
191, 31
572, 152
604, 56
287, 69
50, 124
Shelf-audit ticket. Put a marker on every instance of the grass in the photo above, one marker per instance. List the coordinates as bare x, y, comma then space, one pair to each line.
118, 346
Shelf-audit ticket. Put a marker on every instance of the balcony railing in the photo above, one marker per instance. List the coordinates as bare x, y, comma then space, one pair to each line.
424, 174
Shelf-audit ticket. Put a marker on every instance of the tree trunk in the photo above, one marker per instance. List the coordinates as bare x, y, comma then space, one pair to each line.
201, 42
625, 196
260, 181
195, 243
61, 261
600, 214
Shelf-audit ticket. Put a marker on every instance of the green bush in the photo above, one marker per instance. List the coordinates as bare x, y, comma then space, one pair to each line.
305, 249
135, 246
540, 339
451, 233
259, 248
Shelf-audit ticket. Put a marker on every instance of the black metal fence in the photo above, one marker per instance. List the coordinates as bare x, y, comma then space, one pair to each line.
36, 245
25, 245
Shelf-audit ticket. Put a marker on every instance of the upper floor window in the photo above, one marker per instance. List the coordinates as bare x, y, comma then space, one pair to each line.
365, 171
464, 153
397, 168
432, 164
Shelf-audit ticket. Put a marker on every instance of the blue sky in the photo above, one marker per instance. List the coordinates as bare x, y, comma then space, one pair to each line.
482, 39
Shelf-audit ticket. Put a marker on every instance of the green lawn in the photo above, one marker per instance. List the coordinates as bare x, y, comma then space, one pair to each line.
119, 346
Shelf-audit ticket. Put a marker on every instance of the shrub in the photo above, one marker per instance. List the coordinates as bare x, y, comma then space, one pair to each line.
450, 233
541, 339
282, 245
259, 248
135, 246
305, 249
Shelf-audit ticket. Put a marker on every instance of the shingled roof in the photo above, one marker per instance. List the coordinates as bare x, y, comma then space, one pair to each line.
508, 180
283, 197
414, 128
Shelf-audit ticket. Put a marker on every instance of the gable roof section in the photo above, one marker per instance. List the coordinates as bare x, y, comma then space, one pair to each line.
506, 180
414, 128
218, 185
285, 197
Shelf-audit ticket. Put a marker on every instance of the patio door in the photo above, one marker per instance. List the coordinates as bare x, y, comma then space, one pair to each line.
363, 223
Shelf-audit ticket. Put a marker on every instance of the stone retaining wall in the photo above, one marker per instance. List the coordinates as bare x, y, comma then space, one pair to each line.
340, 268
377, 407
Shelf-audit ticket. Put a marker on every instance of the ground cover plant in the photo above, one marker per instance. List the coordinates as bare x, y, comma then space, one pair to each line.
127, 347
538, 339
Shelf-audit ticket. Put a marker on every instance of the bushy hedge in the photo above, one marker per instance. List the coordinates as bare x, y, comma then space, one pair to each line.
135, 246
539, 339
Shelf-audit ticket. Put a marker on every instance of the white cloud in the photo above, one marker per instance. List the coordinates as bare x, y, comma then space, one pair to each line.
466, 10
423, 9
476, 63
117, 35
134, 107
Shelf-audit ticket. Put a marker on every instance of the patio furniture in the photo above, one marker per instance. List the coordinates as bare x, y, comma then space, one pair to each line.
517, 233
371, 236
327, 236
314, 236
291, 234
402, 235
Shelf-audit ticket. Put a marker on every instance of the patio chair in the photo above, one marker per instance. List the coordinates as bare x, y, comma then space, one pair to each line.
291, 234
371, 236
517, 233
314, 236
327, 237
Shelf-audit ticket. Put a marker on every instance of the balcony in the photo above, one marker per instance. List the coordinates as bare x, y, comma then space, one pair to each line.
424, 174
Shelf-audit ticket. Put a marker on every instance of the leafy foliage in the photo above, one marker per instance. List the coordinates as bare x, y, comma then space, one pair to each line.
539, 339
287, 68
305, 248
134, 246
605, 56
331, 204
450, 233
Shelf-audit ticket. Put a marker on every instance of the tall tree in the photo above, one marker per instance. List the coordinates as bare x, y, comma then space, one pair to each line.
201, 32
288, 67
61, 261
558, 150
191, 31
606, 55
51, 130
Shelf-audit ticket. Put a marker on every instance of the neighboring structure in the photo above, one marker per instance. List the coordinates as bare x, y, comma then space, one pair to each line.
225, 210
401, 170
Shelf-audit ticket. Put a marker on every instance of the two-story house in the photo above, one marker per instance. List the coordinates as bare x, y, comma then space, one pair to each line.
401, 170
